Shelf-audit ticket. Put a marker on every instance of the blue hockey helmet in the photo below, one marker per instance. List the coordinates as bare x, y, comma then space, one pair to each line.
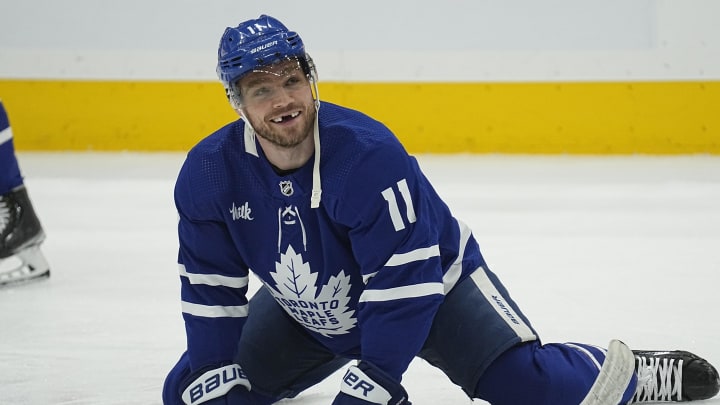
255, 43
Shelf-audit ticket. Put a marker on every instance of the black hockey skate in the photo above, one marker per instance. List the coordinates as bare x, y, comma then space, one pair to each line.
673, 376
20, 239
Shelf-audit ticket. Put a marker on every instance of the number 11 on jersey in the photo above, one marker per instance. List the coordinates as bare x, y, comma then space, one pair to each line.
390, 195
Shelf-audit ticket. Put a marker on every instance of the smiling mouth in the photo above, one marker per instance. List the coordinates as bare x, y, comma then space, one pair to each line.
285, 118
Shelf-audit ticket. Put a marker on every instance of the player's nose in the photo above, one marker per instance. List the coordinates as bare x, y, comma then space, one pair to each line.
281, 98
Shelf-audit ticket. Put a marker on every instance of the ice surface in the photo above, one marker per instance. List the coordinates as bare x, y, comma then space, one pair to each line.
592, 248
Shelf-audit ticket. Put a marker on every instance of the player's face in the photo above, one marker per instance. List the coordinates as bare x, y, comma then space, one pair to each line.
278, 102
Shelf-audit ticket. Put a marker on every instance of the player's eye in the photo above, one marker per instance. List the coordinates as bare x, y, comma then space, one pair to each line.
260, 91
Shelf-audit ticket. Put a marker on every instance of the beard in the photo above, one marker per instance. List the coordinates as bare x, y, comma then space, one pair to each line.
287, 137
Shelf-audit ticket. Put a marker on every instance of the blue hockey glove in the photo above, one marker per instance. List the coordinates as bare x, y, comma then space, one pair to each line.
218, 386
366, 384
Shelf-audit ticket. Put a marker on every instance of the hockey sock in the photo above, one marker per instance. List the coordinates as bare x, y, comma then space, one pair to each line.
551, 374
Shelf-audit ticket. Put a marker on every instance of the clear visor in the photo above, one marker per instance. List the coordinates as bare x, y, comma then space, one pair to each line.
266, 82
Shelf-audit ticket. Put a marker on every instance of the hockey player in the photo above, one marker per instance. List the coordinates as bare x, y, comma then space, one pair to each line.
361, 261
20, 230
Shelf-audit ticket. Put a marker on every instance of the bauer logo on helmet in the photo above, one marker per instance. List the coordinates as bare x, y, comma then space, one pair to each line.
264, 46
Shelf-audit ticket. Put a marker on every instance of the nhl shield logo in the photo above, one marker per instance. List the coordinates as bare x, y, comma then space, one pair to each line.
286, 188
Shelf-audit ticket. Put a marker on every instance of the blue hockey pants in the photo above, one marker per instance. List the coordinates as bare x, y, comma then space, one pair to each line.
479, 339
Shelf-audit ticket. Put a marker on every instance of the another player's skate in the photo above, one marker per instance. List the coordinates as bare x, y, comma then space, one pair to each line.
673, 376
20, 239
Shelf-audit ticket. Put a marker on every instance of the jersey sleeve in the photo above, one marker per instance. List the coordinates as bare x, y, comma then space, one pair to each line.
214, 279
397, 221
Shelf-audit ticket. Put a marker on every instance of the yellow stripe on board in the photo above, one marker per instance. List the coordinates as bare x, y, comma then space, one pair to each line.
592, 118
534, 118
112, 115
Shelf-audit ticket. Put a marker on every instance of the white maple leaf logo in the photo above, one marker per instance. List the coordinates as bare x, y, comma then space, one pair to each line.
295, 290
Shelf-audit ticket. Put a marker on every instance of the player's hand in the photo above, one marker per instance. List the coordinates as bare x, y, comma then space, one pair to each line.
366, 384
216, 386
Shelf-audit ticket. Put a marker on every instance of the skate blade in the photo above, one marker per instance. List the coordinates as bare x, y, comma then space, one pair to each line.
27, 265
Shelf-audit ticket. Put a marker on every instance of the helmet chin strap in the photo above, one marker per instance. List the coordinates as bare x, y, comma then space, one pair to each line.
316, 193
316, 188
249, 135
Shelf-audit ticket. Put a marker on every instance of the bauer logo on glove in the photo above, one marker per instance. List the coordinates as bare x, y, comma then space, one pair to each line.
215, 383
357, 384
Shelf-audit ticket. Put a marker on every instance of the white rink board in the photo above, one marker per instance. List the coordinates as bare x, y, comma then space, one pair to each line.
374, 40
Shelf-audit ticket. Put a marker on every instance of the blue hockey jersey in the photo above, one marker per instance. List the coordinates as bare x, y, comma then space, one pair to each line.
364, 273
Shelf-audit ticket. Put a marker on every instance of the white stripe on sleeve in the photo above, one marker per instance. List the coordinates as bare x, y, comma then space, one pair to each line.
215, 311
397, 293
452, 276
213, 279
399, 259
5, 135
